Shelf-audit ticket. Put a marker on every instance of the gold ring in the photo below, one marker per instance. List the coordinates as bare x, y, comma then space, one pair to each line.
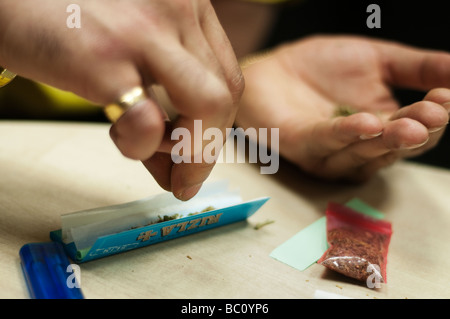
6, 76
114, 111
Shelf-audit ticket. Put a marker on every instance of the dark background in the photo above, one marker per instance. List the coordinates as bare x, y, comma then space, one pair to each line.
420, 23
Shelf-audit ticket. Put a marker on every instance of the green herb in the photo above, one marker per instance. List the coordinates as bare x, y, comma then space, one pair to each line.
344, 110
166, 218
207, 209
260, 225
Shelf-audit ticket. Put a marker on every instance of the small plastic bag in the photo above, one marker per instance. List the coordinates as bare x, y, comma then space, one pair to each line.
358, 244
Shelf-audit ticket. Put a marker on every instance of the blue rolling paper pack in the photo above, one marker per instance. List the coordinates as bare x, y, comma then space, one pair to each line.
100, 232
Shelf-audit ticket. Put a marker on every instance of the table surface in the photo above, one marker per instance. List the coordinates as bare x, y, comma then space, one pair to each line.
51, 168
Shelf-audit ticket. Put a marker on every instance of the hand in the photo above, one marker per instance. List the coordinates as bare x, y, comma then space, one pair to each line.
302, 85
177, 44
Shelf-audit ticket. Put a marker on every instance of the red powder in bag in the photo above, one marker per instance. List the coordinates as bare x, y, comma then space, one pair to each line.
358, 244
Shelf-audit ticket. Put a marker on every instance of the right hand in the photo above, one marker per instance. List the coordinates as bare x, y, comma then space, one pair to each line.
178, 44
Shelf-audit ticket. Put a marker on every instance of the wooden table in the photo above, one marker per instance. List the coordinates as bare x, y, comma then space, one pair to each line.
48, 169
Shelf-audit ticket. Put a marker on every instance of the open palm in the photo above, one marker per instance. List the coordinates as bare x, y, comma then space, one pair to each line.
303, 87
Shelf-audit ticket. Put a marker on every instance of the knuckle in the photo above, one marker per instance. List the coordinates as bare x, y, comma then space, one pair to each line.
438, 95
403, 124
217, 102
423, 106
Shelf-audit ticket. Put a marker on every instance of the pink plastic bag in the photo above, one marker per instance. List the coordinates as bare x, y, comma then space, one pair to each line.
358, 244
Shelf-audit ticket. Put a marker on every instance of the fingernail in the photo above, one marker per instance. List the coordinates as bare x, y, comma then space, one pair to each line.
414, 146
370, 136
436, 129
189, 192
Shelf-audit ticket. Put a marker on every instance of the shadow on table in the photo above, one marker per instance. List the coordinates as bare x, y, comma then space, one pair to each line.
319, 192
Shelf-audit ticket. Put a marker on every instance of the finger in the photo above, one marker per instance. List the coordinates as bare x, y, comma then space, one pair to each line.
139, 131
432, 115
440, 96
203, 81
221, 46
197, 94
433, 112
206, 40
398, 135
160, 166
412, 130
183, 179
191, 79
214, 111
415, 68
194, 161
183, 167
328, 137
187, 178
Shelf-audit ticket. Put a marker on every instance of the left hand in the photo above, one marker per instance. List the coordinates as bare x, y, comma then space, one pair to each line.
301, 85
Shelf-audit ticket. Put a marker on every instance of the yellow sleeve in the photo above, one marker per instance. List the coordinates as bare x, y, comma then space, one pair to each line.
6, 76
